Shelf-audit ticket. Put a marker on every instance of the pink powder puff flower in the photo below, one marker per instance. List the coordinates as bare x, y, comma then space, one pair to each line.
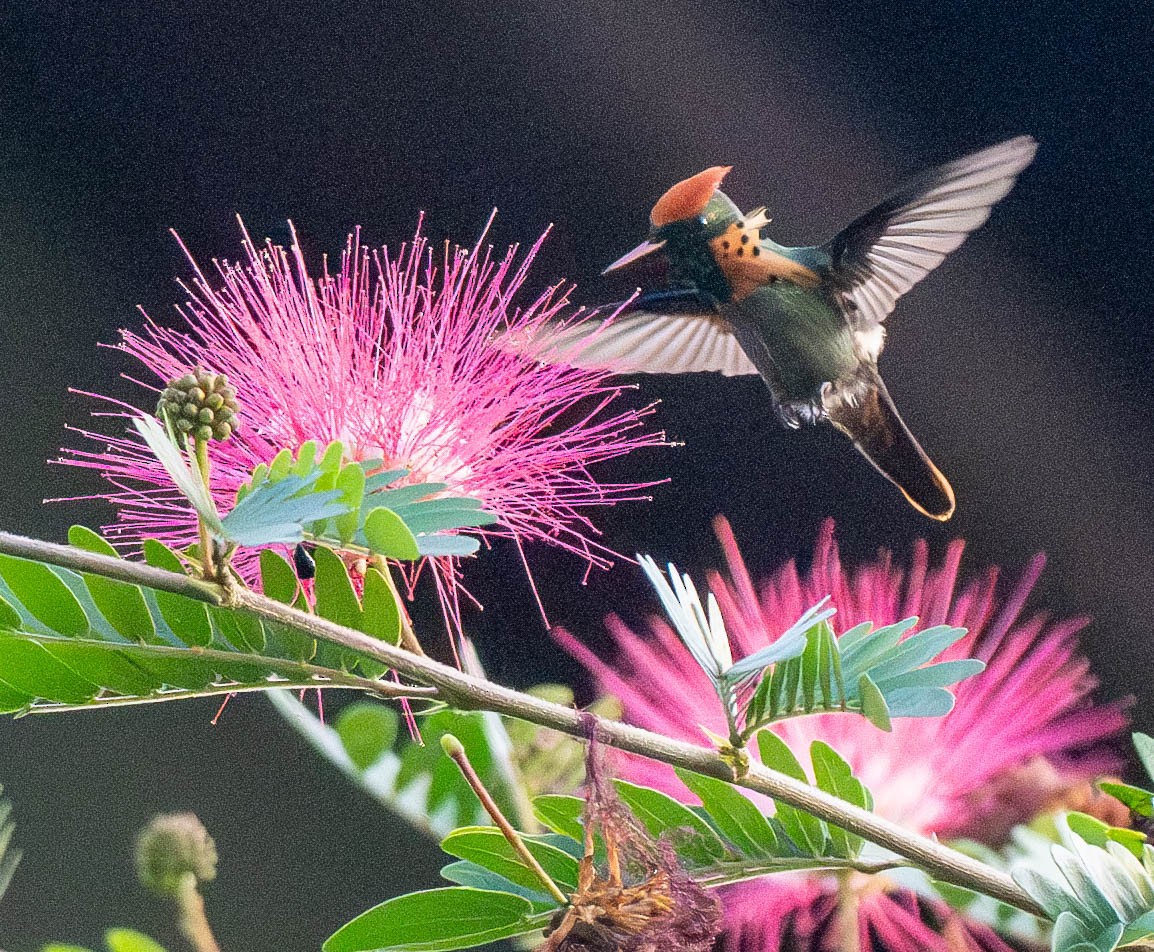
973, 773
393, 356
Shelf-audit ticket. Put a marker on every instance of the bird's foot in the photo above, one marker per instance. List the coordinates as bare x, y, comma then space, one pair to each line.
793, 413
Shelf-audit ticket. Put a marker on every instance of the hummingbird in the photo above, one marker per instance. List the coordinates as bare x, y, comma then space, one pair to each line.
809, 320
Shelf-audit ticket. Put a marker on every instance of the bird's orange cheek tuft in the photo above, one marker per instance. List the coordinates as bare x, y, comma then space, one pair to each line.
747, 265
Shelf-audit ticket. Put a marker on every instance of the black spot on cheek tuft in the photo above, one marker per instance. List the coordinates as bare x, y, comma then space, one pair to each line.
756, 251
745, 239
740, 252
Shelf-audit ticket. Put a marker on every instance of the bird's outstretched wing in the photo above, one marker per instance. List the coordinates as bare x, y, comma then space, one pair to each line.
645, 342
890, 248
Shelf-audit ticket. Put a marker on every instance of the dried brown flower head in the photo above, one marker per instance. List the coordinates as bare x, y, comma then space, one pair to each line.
643, 900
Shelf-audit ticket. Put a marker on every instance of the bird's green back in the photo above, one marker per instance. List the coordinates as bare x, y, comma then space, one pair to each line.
799, 332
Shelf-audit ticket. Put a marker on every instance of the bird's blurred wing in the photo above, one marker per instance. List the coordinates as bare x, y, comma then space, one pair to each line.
645, 342
893, 246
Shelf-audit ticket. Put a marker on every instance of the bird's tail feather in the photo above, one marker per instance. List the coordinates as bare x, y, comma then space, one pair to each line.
877, 430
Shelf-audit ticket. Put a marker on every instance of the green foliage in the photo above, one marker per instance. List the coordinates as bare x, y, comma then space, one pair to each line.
272, 512
725, 840
438, 920
560, 813
485, 846
414, 780
1097, 833
735, 815
313, 494
316, 495
692, 837
831, 774
703, 634
366, 731
1139, 800
115, 940
547, 760
9, 855
71, 639
1100, 897
807, 832
128, 940
880, 674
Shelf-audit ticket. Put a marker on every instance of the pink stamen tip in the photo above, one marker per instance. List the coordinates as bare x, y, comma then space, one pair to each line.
393, 354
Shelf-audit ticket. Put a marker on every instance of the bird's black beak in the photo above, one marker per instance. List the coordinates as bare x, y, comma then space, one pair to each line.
639, 252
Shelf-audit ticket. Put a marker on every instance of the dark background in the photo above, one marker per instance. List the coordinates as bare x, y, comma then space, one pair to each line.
1023, 363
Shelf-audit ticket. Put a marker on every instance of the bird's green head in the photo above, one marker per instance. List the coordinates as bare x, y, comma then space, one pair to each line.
683, 222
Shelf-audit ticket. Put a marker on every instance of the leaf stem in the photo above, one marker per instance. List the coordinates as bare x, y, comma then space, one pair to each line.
848, 919
200, 447
193, 921
456, 750
408, 636
725, 873
382, 689
470, 693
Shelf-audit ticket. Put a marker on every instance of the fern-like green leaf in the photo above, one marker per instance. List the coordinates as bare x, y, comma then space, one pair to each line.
1139, 800
725, 840
72, 640
281, 511
1100, 897
881, 674
806, 669
314, 495
439, 920
497, 894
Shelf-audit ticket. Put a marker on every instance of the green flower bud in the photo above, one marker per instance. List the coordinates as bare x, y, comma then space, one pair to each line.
198, 404
170, 848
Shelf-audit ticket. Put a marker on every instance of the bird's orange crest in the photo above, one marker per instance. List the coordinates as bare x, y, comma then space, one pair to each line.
688, 197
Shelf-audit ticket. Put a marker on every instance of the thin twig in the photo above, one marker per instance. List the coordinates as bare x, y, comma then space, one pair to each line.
384, 689
466, 692
848, 918
469, 693
137, 573
408, 636
456, 750
193, 920
200, 448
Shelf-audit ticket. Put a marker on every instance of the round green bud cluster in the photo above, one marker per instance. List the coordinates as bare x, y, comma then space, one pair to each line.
202, 405
171, 848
